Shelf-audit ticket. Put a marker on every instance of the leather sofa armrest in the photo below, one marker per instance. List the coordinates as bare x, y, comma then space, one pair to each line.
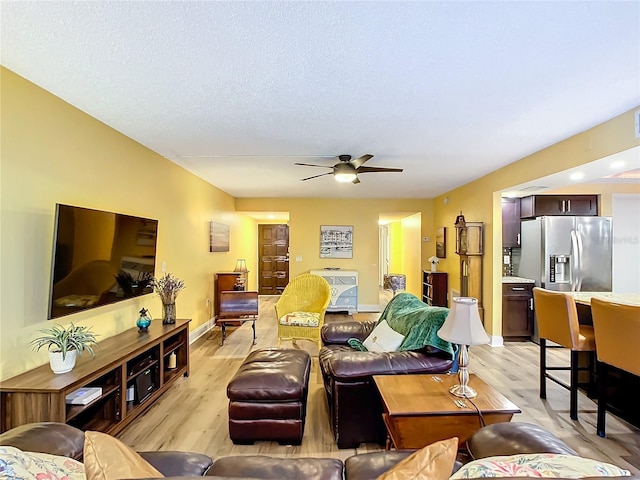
349, 365
179, 464
339, 332
511, 438
46, 437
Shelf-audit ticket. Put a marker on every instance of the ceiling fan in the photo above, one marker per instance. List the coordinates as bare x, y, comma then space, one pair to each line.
347, 169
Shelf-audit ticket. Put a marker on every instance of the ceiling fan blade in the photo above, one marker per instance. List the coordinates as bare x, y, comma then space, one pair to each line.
355, 180
377, 169
316, 176
361, 160
312, 165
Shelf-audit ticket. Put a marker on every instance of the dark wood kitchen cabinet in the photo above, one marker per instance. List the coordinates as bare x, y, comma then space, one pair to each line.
539, 205
511, 222
517, 310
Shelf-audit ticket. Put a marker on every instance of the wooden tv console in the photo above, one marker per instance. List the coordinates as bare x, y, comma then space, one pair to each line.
130, 360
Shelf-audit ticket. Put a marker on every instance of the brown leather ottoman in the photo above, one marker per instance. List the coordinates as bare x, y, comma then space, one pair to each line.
268, 397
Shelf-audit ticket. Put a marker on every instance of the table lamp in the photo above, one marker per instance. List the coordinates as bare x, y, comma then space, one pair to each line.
241, 267
395, 282
463, 327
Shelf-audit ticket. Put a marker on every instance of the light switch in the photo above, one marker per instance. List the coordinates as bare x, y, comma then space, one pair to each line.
164, 266
426, 239
298, 258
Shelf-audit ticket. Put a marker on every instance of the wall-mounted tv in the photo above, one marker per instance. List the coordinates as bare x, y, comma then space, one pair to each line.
99, 258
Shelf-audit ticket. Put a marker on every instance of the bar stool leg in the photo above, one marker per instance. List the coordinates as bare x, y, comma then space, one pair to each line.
543, 368
602, 399
573, 386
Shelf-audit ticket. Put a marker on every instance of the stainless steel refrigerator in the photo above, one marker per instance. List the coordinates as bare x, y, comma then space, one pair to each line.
567, 254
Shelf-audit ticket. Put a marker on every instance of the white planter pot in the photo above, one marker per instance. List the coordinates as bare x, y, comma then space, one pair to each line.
62, 366
434, 267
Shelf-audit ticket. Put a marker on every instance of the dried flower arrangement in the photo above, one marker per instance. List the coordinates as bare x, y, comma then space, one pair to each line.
167, 287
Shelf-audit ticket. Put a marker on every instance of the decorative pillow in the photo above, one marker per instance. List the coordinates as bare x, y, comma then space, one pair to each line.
301, 319
383, 339
14, 463
107, 458
544, 465
433, 462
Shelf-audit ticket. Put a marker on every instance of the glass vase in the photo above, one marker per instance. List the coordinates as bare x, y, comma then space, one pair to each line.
168, 313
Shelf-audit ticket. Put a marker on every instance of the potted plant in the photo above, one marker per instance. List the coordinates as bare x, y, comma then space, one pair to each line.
64, 345
167, 287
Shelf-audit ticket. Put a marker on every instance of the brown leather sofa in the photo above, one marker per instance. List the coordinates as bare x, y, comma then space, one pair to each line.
355, 407
496, 439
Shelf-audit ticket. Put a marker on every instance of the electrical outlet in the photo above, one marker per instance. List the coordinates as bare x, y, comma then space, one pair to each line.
207, 302
299, 258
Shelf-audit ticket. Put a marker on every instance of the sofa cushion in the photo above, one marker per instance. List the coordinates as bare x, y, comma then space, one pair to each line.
106, 458
272, 468
542, 465
14, 463
383, 339
433, 462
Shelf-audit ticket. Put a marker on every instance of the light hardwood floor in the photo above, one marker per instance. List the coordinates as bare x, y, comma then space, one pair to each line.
192, 415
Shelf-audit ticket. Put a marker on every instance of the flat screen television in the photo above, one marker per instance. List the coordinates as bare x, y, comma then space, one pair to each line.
99, 258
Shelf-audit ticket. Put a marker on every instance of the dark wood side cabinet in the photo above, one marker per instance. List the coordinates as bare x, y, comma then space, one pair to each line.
434, 288
517, 310
539, 205
146, 364
511, 222
224, 282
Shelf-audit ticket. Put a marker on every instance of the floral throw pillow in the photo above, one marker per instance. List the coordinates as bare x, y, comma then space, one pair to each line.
14, 463
301, 319
542, 465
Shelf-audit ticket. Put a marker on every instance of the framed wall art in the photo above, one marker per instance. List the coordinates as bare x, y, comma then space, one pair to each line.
441, 242
218, 237
336, 241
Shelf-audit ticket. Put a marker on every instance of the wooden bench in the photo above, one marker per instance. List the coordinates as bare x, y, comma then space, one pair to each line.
237, 306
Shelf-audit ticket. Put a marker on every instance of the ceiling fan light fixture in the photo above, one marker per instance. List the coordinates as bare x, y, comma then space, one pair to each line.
345, 177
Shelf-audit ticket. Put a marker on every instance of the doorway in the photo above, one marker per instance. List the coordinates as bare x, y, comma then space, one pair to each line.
273, 258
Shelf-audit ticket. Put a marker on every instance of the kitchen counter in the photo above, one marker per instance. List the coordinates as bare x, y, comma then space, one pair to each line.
627, 298
517, 280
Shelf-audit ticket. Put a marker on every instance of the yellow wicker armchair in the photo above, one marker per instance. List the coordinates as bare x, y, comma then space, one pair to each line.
305, 293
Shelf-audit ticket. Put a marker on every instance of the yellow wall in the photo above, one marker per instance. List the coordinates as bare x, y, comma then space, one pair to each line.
54, 153
480, 199
410, 251
395, 247
363, 214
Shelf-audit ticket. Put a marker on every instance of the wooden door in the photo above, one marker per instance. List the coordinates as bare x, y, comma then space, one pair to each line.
273, 258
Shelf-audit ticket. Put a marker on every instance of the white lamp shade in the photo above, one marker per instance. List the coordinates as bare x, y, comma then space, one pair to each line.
463, 325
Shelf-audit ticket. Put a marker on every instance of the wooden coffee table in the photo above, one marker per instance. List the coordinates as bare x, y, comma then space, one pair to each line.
419, 410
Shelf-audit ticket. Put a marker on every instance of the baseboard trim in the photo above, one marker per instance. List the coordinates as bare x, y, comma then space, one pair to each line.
496, 341
368, 308
203, 329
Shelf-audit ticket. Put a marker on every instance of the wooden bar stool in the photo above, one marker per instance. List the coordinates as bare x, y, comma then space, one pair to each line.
557, 319
617, 333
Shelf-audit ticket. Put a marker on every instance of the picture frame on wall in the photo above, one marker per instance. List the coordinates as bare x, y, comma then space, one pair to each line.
441, 242
218, 237
336, 241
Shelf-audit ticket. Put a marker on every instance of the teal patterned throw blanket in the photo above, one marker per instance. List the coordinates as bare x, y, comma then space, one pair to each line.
417, 321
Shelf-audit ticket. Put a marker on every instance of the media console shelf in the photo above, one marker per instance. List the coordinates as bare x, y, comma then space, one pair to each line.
140, 362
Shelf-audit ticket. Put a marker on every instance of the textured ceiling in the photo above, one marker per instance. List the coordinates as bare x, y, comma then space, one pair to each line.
237, 92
